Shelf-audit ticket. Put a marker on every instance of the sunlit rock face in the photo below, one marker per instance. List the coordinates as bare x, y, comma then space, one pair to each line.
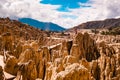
11, 65
73, 72
87, 47
108, 63
81, 58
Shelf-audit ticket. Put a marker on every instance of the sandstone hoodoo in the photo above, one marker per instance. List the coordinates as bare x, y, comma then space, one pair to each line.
29, 54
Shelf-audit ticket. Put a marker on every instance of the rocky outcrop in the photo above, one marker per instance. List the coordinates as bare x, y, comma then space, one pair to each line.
69, 60
11, 65
1, 73
73, 72
27, 55
108, 39
28, 70
7, 40
75, 51
82, 58
64, 49
108, 63
19, 30
95, 70
87, 47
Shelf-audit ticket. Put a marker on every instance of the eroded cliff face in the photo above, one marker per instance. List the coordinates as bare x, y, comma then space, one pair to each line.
82, 58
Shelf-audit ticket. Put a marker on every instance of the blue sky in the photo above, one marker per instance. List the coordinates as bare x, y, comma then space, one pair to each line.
66, 13
65, 4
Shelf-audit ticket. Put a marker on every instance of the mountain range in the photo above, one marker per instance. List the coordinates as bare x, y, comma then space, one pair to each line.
42, 25
101, 24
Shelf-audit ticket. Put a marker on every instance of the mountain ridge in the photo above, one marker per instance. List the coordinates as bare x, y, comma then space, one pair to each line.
100, 24
42, 25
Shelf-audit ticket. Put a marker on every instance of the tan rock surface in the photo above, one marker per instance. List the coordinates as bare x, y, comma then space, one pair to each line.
11, 65
26, 54
73, 72
87, 46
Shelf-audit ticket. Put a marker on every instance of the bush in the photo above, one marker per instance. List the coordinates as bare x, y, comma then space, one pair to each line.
112, 31
95, 31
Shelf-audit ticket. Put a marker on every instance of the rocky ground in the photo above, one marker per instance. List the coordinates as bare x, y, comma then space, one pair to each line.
27, 53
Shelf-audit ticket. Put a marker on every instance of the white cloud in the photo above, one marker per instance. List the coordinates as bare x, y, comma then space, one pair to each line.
96, 10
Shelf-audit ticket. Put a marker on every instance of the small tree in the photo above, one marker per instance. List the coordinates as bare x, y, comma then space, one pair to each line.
62, 33
95, 31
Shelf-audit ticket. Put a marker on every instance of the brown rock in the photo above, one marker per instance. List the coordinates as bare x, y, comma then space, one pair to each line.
27, 55
7, 40
54, 55
11, 65
58, 64
73, 72
35, 45
18, 49
95, 70
64, 49
49, 72
87, 46
69, 60
46, 54
1, 73
85, 63
28, 70
75, 52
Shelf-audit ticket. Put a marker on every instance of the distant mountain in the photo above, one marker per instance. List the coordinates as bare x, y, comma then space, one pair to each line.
42, 25
108, 23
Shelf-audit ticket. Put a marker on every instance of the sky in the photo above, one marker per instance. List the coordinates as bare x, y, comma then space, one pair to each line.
66, 13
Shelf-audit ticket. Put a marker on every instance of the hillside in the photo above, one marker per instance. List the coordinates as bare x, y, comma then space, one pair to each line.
112, 31
42, 25
19, 29
103, 24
